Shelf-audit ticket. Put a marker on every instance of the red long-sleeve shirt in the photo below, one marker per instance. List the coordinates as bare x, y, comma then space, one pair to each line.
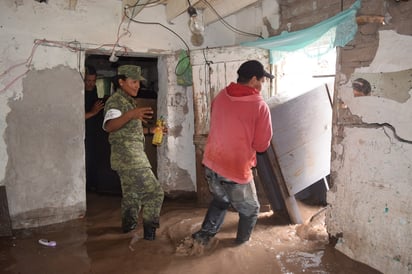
240, 126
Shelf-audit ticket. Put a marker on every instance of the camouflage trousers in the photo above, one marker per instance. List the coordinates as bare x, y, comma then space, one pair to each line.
141, 191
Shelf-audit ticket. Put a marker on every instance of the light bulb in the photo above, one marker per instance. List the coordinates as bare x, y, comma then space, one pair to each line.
196, 25
196, 22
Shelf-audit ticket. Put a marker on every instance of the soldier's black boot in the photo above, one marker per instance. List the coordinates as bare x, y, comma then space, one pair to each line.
149, 230
149, 233
129, 222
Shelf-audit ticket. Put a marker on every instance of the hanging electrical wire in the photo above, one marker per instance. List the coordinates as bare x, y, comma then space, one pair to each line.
159, 24
150, 4
113, 57
73, 46
207, 62
226, 24
76, 46
208, 84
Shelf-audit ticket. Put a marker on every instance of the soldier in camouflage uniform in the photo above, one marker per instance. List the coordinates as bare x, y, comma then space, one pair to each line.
123, 120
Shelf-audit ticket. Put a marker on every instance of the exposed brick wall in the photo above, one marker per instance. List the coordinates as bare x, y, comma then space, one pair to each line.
301, 14
362, 49
401, 16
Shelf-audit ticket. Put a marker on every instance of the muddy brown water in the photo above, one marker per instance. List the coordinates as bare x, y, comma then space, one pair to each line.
95, 244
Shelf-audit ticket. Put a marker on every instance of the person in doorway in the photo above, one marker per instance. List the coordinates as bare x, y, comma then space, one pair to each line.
123, 120
94, 118
240, 126
93, 105
361, 87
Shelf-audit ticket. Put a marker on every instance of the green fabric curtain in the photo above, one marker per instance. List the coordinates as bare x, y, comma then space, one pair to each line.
337, 31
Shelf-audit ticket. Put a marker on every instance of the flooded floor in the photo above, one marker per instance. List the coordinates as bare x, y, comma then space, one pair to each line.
95, 244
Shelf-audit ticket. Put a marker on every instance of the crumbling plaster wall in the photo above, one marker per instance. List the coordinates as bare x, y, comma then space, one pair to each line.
371, 174
176, 156
38, 38
371, 171
46, 184
42, 140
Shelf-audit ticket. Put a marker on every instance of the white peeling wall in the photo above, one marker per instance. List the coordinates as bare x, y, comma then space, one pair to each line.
45, 175
87, 25
22, 23
38, 38
42, 153
372, 168
176, 156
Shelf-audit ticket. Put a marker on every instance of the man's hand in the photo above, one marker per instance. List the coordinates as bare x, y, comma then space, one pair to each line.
96, 108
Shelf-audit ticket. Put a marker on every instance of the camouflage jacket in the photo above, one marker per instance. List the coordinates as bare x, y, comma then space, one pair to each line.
127, 143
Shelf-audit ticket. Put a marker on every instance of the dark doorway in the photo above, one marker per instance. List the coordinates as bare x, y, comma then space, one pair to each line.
100, 178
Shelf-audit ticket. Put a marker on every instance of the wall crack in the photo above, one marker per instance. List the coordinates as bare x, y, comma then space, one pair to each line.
378, 125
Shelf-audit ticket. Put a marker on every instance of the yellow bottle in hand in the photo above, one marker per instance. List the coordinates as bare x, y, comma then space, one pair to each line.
158, 132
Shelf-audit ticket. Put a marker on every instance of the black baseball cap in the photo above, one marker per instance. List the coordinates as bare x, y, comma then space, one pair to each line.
253, 68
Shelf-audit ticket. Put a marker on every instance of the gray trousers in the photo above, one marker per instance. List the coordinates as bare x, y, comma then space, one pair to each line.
242, 197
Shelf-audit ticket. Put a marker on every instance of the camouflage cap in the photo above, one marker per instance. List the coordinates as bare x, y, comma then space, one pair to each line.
131, 71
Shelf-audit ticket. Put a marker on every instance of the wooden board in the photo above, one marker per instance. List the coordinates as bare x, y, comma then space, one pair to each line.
302, 138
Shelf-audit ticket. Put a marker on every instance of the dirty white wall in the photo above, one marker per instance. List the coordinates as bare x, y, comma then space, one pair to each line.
177, 169
43, 132
372, 163
369, 199
45, 187
50, 40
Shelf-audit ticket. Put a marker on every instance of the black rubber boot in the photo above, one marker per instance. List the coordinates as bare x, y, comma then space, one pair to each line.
215, 216
128, 221
149, 233
149, 229
245, 228
202, 237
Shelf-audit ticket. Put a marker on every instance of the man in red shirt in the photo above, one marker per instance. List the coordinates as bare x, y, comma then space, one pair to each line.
240, 126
